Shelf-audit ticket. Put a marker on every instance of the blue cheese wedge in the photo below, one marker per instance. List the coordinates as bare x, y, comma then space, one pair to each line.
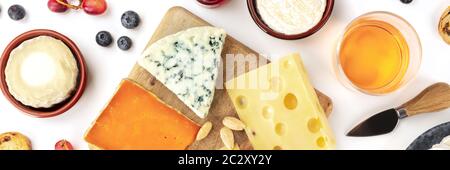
187, 63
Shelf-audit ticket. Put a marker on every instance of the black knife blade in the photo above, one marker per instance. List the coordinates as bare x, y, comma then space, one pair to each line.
432, 99
378, 124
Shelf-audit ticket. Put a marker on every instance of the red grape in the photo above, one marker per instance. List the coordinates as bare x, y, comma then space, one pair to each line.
94, 7
57, 7
63, 145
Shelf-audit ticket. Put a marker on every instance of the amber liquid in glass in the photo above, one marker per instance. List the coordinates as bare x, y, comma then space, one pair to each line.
374, 56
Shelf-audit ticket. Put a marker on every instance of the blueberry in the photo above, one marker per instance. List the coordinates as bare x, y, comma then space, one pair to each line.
130, 19
16, 12
104, 38
406, 1
124, 43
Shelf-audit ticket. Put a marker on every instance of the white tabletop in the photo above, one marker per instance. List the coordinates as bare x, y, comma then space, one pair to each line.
107, 66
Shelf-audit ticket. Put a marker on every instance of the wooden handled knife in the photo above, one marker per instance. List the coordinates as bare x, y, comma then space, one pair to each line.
432, 99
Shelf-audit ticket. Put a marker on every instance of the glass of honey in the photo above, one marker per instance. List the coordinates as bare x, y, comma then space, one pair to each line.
378, 53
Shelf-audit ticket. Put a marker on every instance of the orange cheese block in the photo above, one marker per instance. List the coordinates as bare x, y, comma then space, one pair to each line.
135, 119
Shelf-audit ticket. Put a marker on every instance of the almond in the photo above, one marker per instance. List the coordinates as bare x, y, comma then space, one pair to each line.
233, 123
223, 148
204, 131
236, 147
227, 137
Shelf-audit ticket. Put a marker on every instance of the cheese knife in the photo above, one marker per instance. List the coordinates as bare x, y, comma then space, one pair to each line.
434, 98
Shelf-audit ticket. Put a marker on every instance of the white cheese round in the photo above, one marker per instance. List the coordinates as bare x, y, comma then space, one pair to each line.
291, 16
32, 71
41, 72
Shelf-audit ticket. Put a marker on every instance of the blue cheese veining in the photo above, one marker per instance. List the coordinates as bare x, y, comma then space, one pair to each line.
187, 63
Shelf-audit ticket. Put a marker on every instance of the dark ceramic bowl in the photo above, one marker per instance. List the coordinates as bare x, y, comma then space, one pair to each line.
58, 108
251, 4
430, 137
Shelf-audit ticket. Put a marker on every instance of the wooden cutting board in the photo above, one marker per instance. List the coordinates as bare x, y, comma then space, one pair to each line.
178, 19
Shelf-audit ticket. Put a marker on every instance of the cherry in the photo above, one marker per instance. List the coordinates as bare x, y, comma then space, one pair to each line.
54, 6
94, 7
63, 145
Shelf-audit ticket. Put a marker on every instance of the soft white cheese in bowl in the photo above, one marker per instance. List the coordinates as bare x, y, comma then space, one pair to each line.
291, 17
38, 69
41, 72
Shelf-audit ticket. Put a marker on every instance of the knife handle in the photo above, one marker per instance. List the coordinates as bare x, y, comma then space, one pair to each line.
434, 98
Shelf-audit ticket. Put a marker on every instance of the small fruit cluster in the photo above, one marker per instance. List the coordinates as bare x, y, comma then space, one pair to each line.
91, 7
130, 20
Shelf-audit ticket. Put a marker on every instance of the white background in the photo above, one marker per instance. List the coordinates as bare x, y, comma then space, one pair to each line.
107, 66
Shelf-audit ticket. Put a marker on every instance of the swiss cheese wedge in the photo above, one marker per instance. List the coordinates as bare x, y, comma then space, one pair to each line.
135, 119
279, 107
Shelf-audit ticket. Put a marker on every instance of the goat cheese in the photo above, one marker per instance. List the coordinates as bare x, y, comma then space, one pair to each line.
41, 72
